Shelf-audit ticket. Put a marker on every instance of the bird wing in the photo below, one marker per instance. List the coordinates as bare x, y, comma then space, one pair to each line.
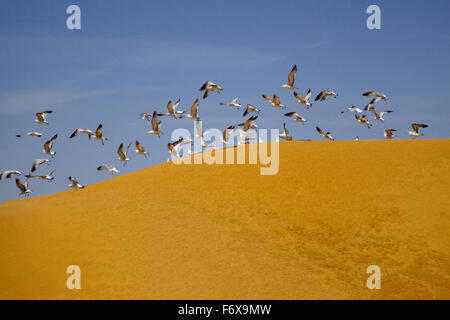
308, 95
291, 76
267, 98
139, 146
194, 108
20, 185
40, 116
206, 85
276, 99
155, 126
99, 131
320, 96
128, 148
170, 107
75, 133
49, 144
320, 131
370, 93
120, 152
235, 101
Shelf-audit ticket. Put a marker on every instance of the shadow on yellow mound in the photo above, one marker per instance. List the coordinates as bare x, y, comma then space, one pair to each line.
227, 232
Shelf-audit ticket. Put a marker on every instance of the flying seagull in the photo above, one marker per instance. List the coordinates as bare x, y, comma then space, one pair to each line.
375, 94
388, 133
194, 111
174, 147
111, 169
234, 103
291, 79
226, 135
79, 130
304, 101
363, 120
31, 134
285, 135
74, 184
209, 87
48, 177
99, 134
123, 155
295, 116
140, 149
379, 116
249, 123
9, 173
172, 109
325, 135
38, 162
353, 109
416, 126
23, 187
250, 108
146, 116
41, 117
48, 145
274, 101
325, 94
156, 126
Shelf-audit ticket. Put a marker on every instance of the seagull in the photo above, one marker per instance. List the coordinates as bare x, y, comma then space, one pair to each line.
250, 108
111, 169
325, 135
376, 95
123, 155
99, 134
79, 130
416, 126
353, 109
388, 133
209, 87
325, 94
356, 138
48, 177
379, 116
172, 109
296, 117
146, 116
156, 126
199, 134
274, 101
363, 120
226, 135
249, 123
41, 117
304, 101
174, 147
9, 173
23, 187
31, 134
285, 135
48, 145
74, 184
234, 103
194, 111
140, 149
38, 162
291, 79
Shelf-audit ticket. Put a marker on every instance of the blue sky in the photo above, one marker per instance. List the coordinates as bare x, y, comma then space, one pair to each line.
133, 56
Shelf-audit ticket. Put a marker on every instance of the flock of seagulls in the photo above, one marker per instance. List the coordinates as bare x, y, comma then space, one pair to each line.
175, 147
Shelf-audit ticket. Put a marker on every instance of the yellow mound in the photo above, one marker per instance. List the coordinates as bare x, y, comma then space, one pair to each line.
226, 232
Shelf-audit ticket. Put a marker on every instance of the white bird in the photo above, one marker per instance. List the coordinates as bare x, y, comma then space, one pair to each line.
249, 124
291, 79
353, 109
174, 147
306, 100
285, 135
48, 145
295, 116
172, 109
250, 108
156, 126
274, 101
110, 169
356, 138
9, 173
194, 111
388, 133
74, 184
379, 116
146, 116
375, 94
325, 135
23, 187
363, 120
31, 134
209, 87
79, 130
123, 155
140, 149
415, 132
234, 103
41, 117
99, 134
48, 177
37, 163
226, 135
325, 94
